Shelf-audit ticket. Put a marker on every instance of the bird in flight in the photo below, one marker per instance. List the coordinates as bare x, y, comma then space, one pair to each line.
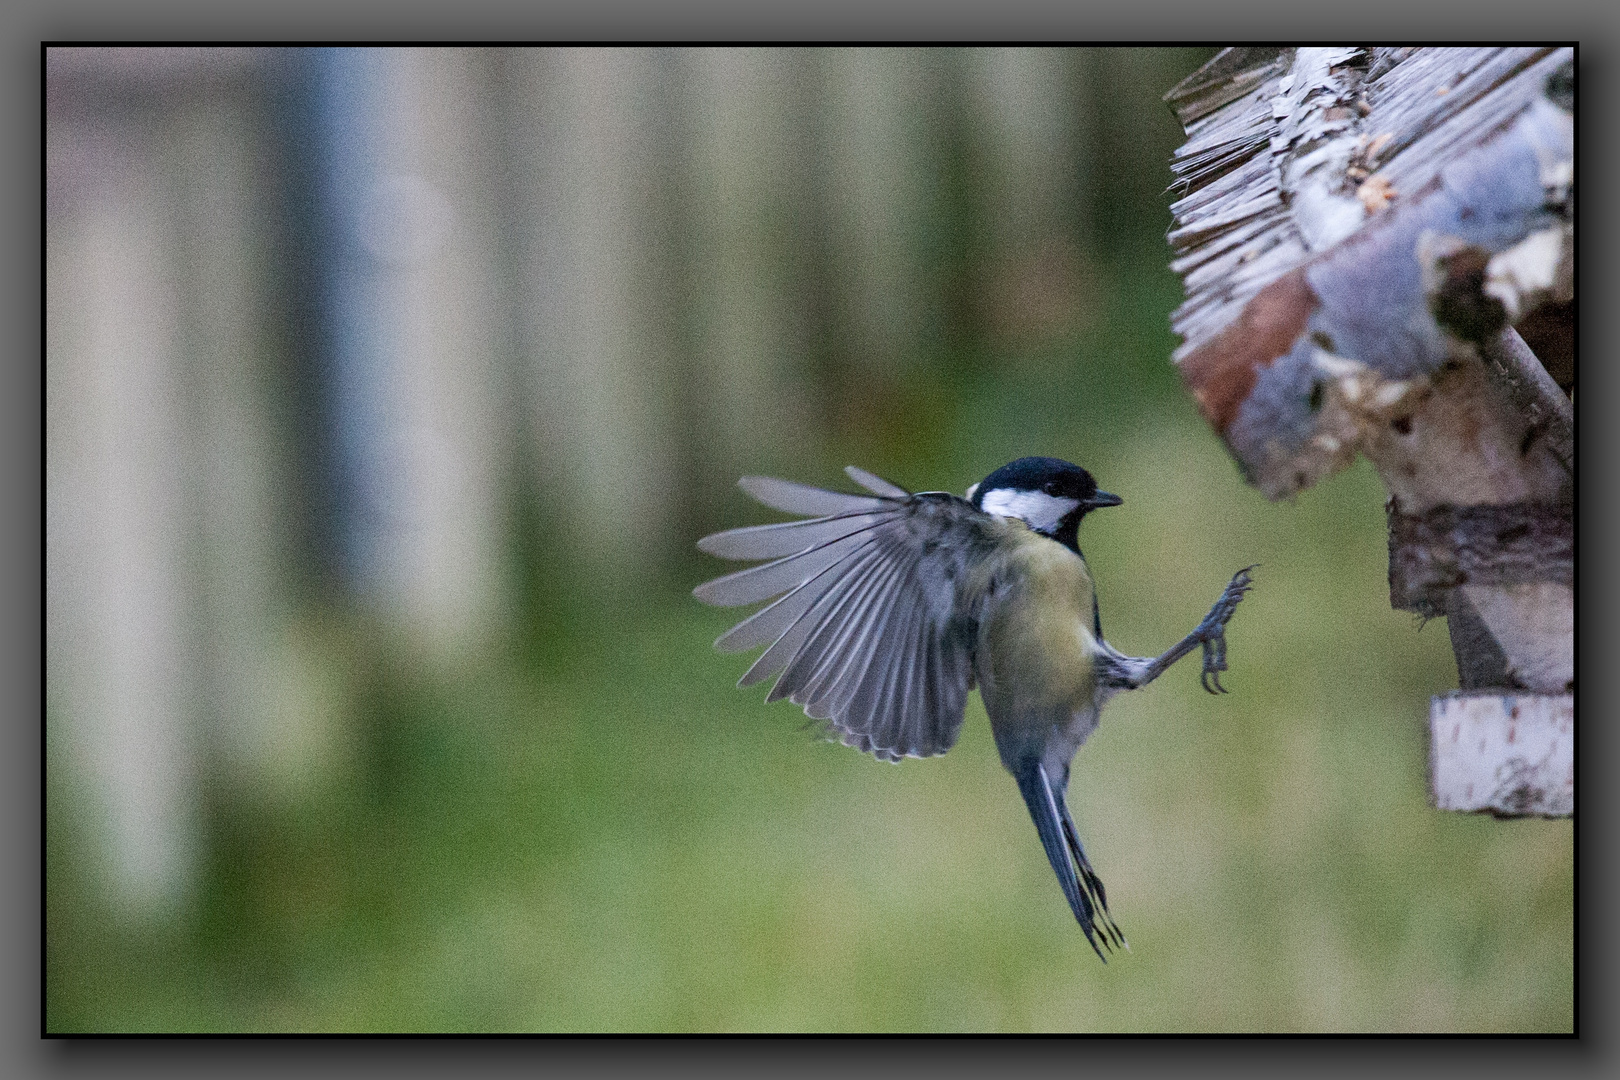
889, 607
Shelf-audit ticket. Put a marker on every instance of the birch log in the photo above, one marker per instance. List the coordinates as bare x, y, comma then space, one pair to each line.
1361, 233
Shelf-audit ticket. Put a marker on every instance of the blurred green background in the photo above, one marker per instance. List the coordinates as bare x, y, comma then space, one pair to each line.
563, 816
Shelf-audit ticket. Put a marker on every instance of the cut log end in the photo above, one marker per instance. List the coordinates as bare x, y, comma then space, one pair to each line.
1510, 755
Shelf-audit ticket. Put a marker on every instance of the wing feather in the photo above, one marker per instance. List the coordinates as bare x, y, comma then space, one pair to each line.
910, 687
832, 694
933, 700
916, 722
784, 538
875, 708
872, 649
767, 580
772, 621
868, 630
876, 484
848, 651
791, 498
789, 642
854, 612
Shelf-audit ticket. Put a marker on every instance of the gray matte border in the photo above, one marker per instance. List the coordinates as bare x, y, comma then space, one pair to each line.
29, 22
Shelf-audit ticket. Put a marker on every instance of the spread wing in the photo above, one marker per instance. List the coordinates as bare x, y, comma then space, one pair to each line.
867, 631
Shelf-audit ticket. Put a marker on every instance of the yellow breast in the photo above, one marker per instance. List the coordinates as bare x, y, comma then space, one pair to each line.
1036, 649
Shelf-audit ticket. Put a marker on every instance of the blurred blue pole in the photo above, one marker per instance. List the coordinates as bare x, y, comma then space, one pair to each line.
411, 291
348, 116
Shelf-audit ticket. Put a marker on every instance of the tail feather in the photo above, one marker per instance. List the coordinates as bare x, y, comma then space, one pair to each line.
1084, 890
1089, 881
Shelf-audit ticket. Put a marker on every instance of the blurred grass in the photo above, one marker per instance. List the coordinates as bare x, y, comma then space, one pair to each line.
619, 840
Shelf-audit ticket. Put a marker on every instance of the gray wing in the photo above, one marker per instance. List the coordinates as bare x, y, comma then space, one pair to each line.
866, 630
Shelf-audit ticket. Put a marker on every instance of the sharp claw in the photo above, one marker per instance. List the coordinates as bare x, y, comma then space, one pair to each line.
1212, 632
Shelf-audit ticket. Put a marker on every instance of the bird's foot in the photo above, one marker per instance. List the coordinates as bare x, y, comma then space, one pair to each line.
1212, 631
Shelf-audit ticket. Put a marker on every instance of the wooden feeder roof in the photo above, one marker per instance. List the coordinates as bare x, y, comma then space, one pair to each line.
1348, 219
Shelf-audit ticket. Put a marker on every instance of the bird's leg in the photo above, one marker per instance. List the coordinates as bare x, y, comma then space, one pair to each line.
1137, 672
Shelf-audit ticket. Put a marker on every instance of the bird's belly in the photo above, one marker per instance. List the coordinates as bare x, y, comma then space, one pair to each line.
1042, 664
1037, 656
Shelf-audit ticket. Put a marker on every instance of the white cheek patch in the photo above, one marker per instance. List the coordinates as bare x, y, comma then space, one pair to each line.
1038, 510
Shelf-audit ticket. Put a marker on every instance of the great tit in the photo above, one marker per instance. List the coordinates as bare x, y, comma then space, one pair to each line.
892, 606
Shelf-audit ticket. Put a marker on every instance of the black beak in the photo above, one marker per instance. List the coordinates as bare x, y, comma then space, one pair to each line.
1101, 499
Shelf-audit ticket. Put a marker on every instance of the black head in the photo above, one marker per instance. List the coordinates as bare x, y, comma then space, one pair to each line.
1047, 494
